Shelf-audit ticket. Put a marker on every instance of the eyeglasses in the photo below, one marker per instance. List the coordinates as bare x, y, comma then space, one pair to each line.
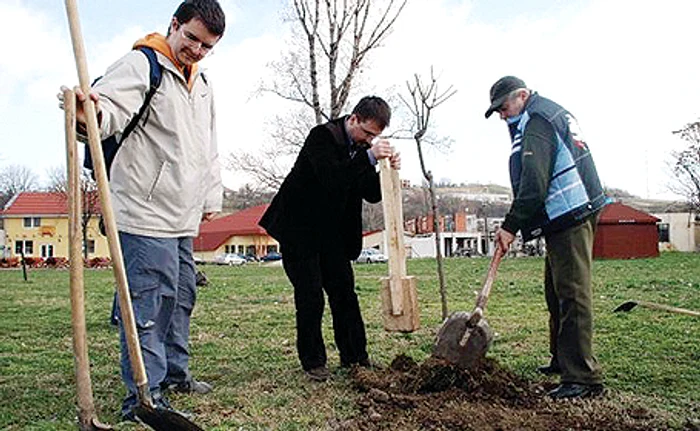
370, 134
194, 41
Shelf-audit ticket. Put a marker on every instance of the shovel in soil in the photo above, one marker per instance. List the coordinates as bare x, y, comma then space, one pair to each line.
158, 418
465, 337
87, 416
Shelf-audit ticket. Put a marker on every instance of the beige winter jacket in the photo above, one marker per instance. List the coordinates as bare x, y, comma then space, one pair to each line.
167, 171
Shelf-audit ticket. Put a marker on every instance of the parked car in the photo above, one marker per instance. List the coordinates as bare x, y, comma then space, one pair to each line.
198, 260
231, 259
250, 257
370, 255
463, 252
270, 256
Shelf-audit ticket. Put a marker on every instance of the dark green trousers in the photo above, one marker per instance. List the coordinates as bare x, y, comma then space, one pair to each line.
567, 279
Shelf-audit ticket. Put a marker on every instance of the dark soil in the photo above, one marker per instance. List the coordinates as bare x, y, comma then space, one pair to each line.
437, 396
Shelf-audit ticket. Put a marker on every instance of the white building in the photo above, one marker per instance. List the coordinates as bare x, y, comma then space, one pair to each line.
679, 232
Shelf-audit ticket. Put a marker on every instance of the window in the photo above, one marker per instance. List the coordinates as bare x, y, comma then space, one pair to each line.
272, 249
230, 249
27, 246
91, 246
32, 222
46, 250
241, 250
664, 232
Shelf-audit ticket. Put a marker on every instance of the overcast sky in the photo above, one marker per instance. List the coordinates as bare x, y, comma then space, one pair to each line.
628, 70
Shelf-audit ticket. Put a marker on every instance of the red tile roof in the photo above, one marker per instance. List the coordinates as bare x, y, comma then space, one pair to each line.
618, 213
216, 232
37, 204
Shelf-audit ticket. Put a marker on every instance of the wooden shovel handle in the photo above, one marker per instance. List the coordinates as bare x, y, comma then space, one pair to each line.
115, 251
668, 308
490, 277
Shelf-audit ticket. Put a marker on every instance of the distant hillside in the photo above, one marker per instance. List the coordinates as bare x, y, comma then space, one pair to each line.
655, 206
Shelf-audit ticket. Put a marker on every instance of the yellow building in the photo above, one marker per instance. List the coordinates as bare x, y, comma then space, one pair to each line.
235, 233
37, 224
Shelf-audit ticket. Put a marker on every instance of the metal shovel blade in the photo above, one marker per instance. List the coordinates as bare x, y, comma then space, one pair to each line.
161, 419
450, 346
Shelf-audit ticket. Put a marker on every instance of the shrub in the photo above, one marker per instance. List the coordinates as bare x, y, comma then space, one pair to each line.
9, 262
34, 262
98, 262
56, 262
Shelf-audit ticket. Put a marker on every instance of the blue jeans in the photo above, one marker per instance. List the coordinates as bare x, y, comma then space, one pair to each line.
161, 275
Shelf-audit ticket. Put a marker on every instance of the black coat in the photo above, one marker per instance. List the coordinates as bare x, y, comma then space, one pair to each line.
320, 201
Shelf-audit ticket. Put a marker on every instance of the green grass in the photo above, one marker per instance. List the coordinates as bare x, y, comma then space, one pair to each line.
243, 340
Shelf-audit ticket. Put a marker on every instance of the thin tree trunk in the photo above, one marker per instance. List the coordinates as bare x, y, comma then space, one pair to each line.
436, 228
436, 225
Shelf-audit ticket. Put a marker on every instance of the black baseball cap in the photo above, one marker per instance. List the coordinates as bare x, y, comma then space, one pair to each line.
501, 89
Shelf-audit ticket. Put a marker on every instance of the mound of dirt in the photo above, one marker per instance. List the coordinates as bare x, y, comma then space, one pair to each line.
438, 396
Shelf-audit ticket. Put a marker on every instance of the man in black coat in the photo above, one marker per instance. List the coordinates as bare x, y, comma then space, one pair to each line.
317, 218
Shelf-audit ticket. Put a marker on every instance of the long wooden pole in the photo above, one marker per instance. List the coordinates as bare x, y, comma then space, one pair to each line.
87, 414
127, 315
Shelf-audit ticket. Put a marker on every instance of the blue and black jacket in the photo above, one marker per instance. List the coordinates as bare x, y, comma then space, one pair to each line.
555, 182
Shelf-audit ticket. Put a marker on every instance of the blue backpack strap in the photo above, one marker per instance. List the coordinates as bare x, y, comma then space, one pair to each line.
110, 145
155, 77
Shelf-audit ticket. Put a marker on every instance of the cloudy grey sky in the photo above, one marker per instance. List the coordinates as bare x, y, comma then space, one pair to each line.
628, 70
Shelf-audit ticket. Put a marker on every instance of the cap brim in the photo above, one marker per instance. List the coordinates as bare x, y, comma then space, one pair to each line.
495, 105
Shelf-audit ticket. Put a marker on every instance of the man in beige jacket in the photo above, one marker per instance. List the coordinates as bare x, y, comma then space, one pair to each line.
164, 180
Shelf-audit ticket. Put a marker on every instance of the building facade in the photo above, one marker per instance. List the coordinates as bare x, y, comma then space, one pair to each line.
235, 233
35, 224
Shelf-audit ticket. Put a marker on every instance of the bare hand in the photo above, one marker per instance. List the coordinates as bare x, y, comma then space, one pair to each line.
381, 148
395, 160
504, 239
80, 108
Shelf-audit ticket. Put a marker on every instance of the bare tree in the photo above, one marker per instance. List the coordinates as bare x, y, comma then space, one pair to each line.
332, 41
245, 197
58, 183
424, 97
16, 179
686, 166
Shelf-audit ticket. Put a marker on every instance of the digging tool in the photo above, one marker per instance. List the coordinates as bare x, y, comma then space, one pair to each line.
399, 297
158, 418
629, 305
87, 416
465, 338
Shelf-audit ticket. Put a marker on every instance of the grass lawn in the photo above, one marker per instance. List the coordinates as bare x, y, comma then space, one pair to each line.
243, 341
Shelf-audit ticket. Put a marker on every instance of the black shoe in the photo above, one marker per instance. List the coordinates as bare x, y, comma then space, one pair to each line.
318, 374
159, 402
162, 403
575, 390
549, 370
190, 387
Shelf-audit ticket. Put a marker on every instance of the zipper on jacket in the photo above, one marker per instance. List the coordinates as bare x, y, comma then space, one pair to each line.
155, 182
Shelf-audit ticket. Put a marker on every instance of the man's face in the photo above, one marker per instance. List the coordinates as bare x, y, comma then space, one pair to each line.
190, 41
513, 106
363, 131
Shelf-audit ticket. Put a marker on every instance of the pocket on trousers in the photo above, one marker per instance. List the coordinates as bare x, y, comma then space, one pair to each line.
146, 301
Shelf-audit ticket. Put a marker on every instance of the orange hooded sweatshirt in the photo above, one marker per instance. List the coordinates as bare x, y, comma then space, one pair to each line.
159, 43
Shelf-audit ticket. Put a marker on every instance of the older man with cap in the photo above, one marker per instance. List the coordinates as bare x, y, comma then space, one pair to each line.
557, 195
